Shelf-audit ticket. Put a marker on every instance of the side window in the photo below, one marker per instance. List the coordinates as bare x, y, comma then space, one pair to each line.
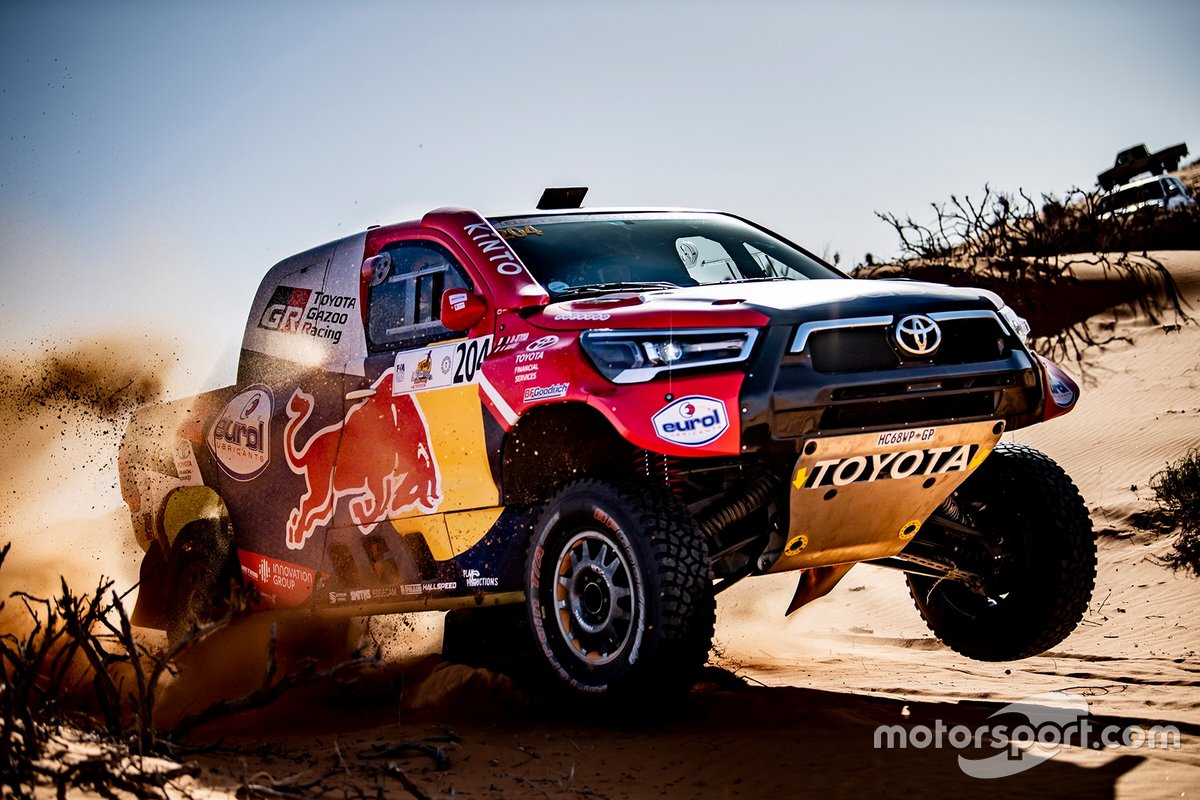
404, 303
1173, 188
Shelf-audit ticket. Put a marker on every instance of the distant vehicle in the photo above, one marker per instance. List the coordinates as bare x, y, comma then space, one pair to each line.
1145, 195
1136, 160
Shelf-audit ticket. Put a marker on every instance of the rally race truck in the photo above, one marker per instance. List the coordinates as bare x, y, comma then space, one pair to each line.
574, 427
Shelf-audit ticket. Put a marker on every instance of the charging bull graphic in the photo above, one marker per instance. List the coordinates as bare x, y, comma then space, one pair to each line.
384, 462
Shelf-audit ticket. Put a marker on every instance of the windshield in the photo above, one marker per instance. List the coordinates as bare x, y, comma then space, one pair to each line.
568, 253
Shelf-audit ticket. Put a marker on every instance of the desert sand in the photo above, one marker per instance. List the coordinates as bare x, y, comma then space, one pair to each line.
789, 706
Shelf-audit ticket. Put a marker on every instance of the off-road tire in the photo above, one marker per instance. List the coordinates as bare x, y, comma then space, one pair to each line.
593, 541
200, 573
1028, 505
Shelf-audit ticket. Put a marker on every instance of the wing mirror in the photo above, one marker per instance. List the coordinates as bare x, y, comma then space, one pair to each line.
462, 310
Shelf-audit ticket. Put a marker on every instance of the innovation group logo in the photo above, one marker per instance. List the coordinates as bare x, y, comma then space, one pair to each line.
1026, 733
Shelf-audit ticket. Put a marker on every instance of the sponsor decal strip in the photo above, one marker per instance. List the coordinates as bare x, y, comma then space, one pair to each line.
453, 364
890, 466
502, 406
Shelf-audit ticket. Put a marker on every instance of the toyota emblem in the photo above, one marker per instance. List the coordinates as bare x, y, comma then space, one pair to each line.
918, 335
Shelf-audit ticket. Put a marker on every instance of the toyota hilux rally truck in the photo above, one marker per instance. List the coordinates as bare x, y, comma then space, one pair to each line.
593, 421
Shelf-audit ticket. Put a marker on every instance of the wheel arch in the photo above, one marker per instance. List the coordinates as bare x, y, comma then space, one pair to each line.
556, 443
188, 504
182, 507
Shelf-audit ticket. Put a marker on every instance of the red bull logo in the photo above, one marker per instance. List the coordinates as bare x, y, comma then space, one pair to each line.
383, 463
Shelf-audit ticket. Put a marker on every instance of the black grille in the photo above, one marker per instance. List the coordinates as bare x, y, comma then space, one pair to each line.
893, 404
964, 341
909, 410
851, 350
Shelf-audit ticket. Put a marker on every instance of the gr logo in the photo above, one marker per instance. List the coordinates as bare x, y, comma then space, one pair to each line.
285, 311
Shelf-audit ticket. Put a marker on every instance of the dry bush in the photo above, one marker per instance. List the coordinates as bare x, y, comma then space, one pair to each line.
1029, 250
75, 673
1177, 491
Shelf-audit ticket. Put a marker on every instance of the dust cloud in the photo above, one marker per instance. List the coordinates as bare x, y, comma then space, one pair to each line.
63, 410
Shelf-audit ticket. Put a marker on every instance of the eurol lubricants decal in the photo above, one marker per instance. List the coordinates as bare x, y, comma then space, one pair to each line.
691, 421
385, 463
240, 436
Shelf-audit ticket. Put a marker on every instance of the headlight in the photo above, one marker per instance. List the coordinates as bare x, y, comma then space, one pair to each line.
1016, 323
637, 356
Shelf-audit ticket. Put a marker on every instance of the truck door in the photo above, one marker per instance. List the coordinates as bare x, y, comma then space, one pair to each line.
412, 448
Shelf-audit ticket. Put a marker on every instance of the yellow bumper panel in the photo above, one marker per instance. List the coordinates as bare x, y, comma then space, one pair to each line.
866, 495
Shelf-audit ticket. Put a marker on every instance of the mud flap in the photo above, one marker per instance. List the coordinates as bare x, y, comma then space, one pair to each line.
152, 579
865, 496
815, 583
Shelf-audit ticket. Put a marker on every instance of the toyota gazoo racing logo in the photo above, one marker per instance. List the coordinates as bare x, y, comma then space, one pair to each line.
692, 421
307, 311
918, 335
240, 435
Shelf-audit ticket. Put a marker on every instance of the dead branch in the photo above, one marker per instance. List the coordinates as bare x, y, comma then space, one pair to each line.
405, 781
270, 690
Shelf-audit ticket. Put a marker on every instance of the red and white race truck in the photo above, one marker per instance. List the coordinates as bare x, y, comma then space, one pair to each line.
574, 427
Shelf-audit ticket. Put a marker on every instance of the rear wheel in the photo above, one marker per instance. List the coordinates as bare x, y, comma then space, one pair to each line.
200, 573
1031, 545
619, 592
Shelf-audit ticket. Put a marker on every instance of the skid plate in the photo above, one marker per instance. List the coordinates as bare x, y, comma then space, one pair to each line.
865, 496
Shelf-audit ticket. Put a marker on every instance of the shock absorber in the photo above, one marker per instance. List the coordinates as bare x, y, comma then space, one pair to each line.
661, 469
739, 504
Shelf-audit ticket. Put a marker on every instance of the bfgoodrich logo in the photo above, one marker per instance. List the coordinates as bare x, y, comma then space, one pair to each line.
692, 421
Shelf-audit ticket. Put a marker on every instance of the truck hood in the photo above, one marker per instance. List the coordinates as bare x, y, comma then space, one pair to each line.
754, 304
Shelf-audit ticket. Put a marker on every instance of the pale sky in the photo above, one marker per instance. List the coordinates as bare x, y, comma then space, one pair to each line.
158, 157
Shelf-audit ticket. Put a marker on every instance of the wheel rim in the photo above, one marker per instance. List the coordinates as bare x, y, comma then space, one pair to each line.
1006, 533
594, 598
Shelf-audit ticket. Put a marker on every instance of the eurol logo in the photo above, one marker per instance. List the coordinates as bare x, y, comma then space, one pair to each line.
692, 421
240, 435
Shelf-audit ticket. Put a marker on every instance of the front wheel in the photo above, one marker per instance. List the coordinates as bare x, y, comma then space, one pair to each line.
1024, 530
619, 591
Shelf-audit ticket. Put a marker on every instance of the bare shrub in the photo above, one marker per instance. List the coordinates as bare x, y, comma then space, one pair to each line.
1177, 492
1029, 250
75, 669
